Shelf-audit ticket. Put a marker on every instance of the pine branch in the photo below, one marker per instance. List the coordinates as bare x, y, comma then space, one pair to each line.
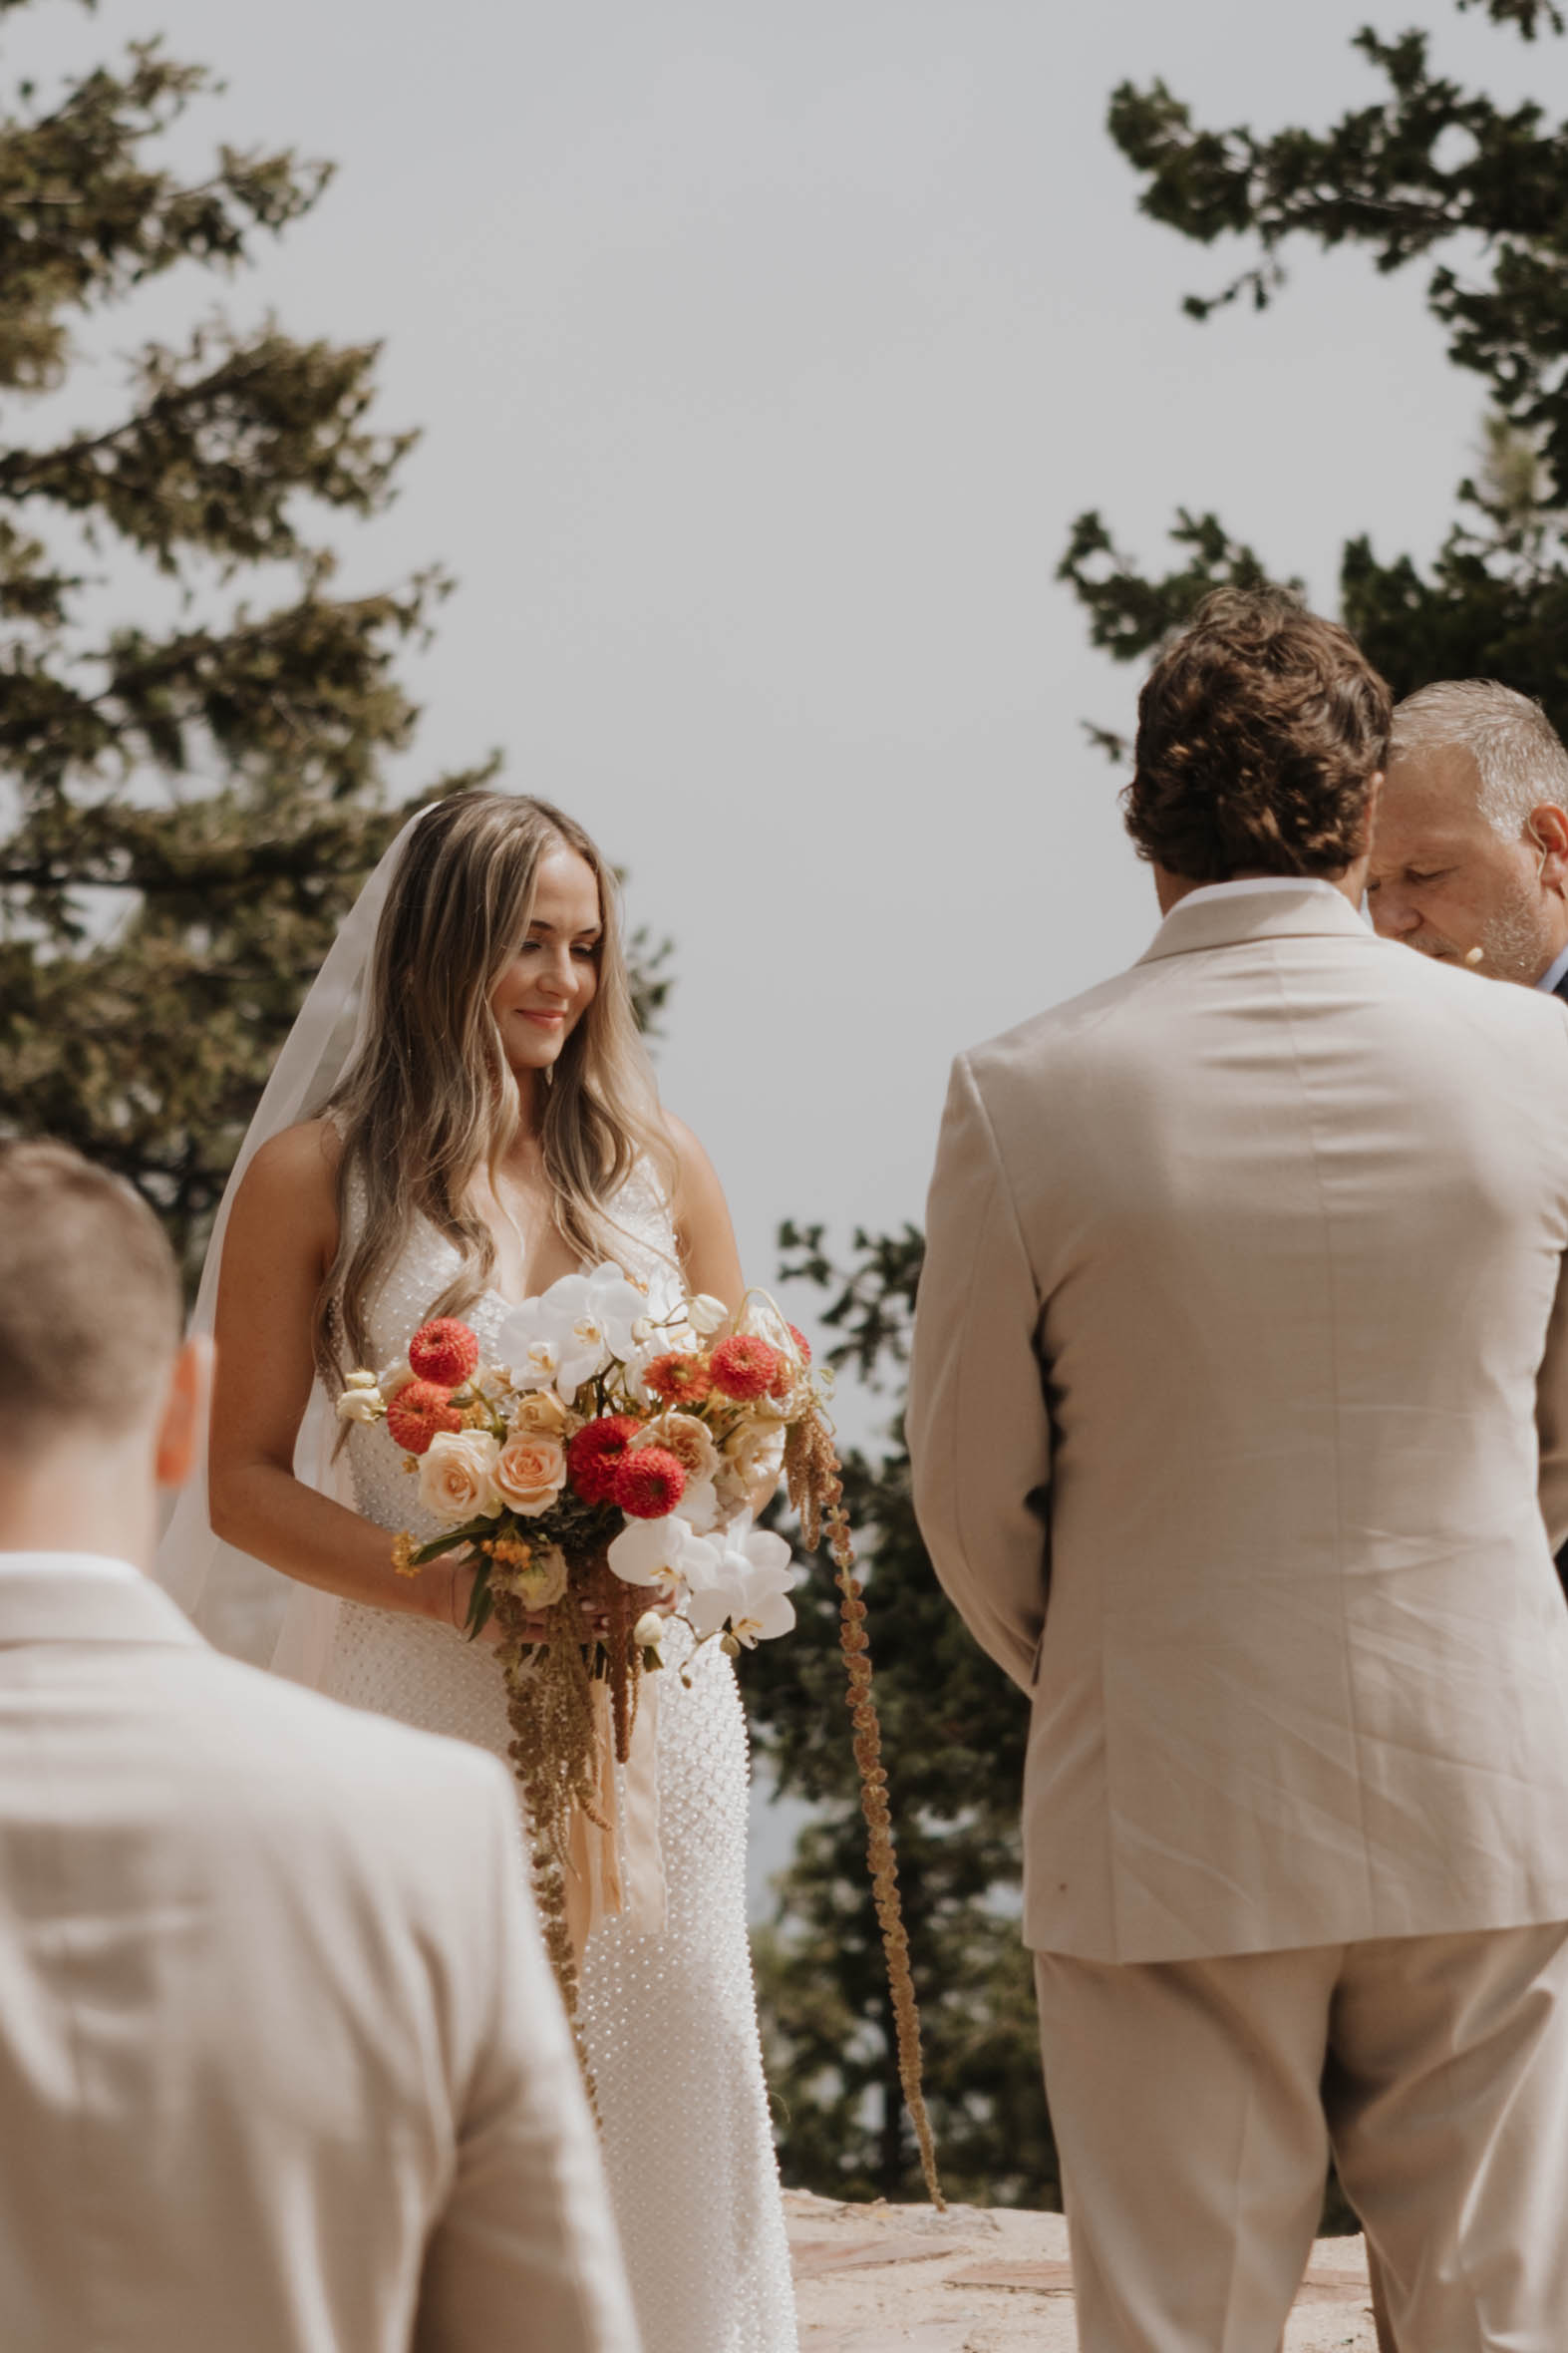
214, 463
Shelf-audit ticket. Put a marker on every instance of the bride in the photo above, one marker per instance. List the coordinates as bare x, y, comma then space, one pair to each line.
495, 1127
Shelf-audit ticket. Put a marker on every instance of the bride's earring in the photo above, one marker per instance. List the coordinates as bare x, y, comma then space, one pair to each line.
550, 1074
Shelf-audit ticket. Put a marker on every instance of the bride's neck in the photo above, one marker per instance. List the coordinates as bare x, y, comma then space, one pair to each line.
525, 1155
531, 1086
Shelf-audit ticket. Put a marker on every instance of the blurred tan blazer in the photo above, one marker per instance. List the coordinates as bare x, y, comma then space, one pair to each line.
1242, 1309
282, 2067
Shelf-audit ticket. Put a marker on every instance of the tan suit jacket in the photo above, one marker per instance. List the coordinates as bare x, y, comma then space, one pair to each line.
282, 2069
1243, 1307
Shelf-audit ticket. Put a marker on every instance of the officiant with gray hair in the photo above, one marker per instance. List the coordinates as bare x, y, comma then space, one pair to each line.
1470, 859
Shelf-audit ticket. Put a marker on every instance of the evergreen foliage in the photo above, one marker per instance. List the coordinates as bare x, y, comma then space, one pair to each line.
193, 725
1476, 193
188, 804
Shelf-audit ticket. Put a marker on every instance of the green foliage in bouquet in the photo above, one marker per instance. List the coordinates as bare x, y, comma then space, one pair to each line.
193, 725
1431, 175
953, 1731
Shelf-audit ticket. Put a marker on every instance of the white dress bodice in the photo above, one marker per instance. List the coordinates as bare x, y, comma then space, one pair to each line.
669, 2021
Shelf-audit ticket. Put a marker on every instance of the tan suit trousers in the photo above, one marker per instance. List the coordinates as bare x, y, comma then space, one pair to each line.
1195, 2105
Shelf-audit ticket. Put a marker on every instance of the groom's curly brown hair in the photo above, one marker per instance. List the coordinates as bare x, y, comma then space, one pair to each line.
1259, 731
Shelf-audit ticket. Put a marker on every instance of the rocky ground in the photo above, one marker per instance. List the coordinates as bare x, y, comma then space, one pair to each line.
905, 2279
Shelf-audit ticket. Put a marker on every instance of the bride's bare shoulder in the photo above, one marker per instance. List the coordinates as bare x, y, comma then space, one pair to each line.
294, 1176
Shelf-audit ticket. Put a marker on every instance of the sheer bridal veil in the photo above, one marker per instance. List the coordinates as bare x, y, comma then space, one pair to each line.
240, 1603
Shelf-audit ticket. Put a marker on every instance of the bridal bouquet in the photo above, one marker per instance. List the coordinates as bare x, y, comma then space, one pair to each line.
602, 1479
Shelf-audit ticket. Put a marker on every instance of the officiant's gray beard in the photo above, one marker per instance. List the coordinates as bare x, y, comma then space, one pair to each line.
1515, 943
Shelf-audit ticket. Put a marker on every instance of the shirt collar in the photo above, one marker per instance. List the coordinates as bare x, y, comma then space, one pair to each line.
1210, 890
1555, 972
98, 1564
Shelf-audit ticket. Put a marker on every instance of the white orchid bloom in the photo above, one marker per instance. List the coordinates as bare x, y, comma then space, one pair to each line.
708, 1314
616, 1306
570, 1332
749, 1597
699, 1505
665, 1300
664, 1553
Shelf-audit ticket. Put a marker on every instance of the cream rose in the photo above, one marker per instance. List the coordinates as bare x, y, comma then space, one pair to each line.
529, 1473
359, 1404
685, 1437
458, 1475
542, 1415
753, 1457
542, 1583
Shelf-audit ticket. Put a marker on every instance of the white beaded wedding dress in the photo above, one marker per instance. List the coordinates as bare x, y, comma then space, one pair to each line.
669, 2021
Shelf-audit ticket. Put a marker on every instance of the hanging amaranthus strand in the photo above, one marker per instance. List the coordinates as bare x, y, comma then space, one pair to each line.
549, 1707
816, 1491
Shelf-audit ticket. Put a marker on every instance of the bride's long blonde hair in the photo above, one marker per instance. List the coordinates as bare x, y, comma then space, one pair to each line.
429, 1099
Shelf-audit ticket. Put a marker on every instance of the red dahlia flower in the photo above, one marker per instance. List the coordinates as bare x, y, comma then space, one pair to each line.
744, 1367
419, 1410
443, 1351
648, 1483
594, 1452
678, 1379
802, 1342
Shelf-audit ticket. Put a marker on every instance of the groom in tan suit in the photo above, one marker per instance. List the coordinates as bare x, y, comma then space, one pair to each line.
1239, 1420
282, 2067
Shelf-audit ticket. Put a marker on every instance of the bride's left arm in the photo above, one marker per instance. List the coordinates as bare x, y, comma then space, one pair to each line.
704, 1235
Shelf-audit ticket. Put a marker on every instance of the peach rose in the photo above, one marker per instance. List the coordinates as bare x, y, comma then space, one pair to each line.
529, 1473
458, 1475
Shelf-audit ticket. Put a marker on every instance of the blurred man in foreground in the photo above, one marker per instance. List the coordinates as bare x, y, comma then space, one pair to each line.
282, 2067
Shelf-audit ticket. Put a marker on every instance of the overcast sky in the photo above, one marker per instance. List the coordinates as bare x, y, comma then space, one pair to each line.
763, 354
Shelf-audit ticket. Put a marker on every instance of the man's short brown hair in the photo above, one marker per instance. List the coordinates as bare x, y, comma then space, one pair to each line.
90, 1305
1259, 731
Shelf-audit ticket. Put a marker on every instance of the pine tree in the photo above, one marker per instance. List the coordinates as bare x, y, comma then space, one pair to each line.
194, 726
1431, 175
